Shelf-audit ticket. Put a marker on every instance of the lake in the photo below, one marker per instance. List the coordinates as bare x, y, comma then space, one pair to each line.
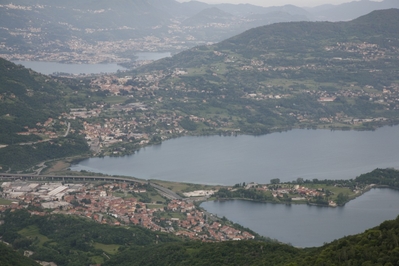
48, 68
310, 226
152, 55
321, 154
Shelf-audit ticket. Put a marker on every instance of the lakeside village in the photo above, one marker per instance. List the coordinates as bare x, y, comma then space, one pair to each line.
101, 203
121, 204
121, 128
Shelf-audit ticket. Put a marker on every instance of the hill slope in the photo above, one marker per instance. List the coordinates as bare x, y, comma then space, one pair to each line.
10, 257
26, 98
69, 240
32, 128
292, 74
376, 246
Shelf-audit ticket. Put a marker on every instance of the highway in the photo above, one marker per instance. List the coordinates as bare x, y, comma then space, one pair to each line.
162, 190
9, 177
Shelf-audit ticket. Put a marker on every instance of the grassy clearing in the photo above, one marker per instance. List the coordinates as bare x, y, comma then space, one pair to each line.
32, 232
155, 197
111, 249
5, 202
155, 206
184, 187
115, 99
56, 167
152, 196
168, 215
98, 260
335, 190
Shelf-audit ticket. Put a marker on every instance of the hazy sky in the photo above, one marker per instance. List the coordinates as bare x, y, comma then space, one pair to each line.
300, 3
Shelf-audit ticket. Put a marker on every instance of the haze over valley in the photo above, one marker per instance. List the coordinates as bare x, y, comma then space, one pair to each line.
135, 132
78, 31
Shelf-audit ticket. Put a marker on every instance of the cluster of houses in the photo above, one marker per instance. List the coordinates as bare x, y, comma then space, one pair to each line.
102, 205
198, 225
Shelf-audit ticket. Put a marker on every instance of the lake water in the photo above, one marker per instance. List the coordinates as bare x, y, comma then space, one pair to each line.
309, 226
48, 68
152, 55
321, 154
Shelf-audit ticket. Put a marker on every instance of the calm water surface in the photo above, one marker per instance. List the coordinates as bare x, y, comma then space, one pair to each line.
152, 55
309, 154
48, 68
309, 226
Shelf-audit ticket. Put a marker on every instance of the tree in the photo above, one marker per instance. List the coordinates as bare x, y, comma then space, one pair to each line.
299, 180
275, 181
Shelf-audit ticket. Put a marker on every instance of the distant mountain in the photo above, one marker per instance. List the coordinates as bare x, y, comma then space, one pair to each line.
351, 10
32, 27
280, 75
258, 20
295, 37
209, 16
44, 27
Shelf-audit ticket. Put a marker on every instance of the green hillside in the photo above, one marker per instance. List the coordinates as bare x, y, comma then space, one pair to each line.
298, 74
377, 246
32, 127
26, 98
10, 257
71, 240
77, 241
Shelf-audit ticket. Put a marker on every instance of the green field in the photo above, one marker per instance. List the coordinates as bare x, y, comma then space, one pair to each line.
183, 187
169, 215
32, 232
333, 189
110, 249
4, 202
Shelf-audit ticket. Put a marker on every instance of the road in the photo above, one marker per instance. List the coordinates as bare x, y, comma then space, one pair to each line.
166, 192
67, 132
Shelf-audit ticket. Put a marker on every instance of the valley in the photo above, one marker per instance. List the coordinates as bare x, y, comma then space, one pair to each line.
265, 106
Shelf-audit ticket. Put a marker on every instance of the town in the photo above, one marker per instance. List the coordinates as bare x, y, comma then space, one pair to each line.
120, 204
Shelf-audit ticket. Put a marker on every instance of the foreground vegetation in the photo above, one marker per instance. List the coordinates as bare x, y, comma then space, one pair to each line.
76, 241
376, 246
70, 240
9, 257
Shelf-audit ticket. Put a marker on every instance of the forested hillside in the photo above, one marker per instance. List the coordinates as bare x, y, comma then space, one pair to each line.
26, 98
10, 257
33, 127
76, 241
377, 246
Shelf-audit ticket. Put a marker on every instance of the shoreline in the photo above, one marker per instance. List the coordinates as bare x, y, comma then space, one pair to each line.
235, 134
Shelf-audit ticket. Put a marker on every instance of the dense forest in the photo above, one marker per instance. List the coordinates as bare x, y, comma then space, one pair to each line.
10, 257
68, 240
